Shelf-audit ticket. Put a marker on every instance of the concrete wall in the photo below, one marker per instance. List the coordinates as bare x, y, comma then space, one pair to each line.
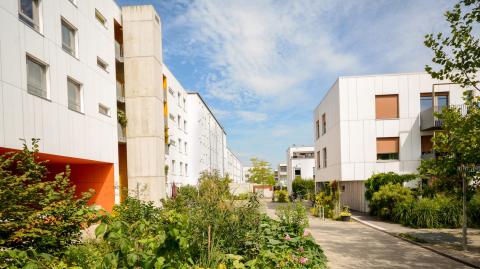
144, 101
88, 135
233, 167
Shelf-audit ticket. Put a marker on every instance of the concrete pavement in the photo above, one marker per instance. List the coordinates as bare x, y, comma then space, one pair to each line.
354, 245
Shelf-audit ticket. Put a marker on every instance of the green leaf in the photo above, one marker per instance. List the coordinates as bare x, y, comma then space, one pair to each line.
100, 230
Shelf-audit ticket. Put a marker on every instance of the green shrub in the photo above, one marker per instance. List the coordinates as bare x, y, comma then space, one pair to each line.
243, 196
376, 181
450, 212
424, 214
303, 187
322, 199
293, 216
384, 200
281, 196
37, 211
132, 210
402, 212
474, 210
86, 255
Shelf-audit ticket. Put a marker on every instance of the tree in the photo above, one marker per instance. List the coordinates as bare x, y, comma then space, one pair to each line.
261, 173
36, 211
457, 56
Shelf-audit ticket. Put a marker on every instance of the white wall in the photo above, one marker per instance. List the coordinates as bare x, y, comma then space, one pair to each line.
306, 165
233, 167
360, 129
88, 135
176, 131
207, 139
352, 128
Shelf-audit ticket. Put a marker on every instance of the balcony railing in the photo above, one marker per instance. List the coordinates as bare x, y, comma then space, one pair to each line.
122, 134
120, 92
118, 51
428, 120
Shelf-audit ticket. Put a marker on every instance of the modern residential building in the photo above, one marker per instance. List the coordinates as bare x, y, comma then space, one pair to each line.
57, 84
176, 155
300, 163
87, 78
233, 167
282, 175
246, 173
206, 137
373, 124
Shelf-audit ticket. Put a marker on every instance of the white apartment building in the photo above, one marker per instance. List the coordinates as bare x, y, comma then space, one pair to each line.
87, 78
207, 139
57, 84
374, 124
233, 167
246, 173
176, 155
282, 174
300, 163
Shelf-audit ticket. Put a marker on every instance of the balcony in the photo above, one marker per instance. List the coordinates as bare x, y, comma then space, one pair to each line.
122, 134
118, 51
120, 92
428, 121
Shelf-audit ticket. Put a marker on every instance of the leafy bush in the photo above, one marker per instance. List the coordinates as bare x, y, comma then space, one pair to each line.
474, 210
293, 216
376, 181
303, 187
281, 196
384, 200
437, 212
86, 255
243, 196
37, 211
322, 199
132, 210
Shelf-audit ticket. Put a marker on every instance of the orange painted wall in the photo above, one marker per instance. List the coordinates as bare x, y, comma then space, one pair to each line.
85, 174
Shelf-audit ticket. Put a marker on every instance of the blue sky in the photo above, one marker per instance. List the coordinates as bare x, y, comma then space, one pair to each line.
264, 65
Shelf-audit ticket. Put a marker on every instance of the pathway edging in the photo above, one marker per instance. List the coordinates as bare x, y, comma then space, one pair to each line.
378, 228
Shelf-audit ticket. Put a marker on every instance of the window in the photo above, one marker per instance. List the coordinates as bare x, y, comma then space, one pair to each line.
427, 144
100, 18
68, 38
298, 172
387, 148
36, 78
324, 157
179, 145
186, 169
185, 147
181, 168
171, 117
324, 124
426, 101
317, 128
28, 12
179, 96
185, 125
74, 95
319, 164
102, 64
386, 106
102, 109
179, 122
184, 104
173, 166
171, 91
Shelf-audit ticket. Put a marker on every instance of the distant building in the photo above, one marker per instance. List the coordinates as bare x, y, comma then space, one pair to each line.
246, 173
300, 163
282, 175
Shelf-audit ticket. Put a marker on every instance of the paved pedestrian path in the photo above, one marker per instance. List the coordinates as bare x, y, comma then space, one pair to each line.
447, 241
354, 245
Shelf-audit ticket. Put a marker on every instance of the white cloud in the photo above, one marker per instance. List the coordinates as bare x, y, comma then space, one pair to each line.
251, 116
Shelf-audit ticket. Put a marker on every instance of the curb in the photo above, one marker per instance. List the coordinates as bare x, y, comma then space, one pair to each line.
378, 228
